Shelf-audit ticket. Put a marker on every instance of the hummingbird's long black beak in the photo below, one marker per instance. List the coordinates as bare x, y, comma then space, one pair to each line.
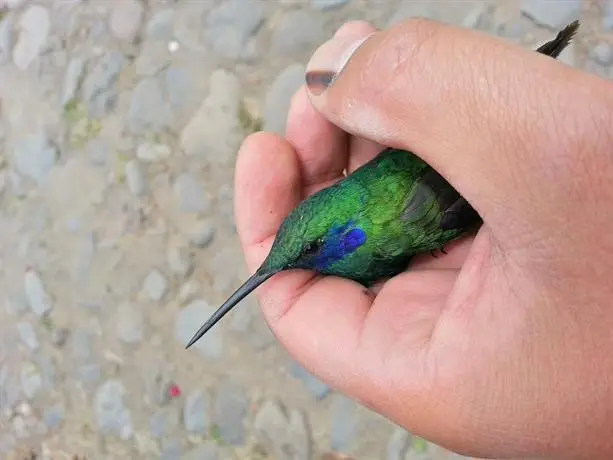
248, 286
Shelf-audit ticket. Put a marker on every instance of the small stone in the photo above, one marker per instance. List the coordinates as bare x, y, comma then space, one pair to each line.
111, 415
230, 410
207, 451
196, 412
59, 336
37, 296
343, 423
319, 389
99, 91
98, 150
129, 325
28, 335
10, 390
88, 373
190, 194
171, 450
602, 53
551, 13
35, 156
53, 416
188, 291
16, 305
72, 79
31, 381
201, 233
186, 324
298, 29
180, 260
278, 98
135, 178
125, 19
325, 5
6, 38
157, 424
230, 26
148, 112
34, 26
81, 344
155, 285
160, 25
24, 409
179, 87
398, 445
152, 152
473, 19
153, 57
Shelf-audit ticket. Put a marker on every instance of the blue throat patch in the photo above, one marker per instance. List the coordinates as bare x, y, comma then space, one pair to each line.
339, 242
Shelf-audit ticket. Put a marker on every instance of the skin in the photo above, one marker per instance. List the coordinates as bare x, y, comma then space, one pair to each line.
502, 347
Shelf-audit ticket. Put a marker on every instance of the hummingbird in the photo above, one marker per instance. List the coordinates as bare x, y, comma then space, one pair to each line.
369, 225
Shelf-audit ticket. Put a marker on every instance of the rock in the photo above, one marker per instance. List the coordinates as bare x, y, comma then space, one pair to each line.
343, 423
180, 260
325, 5
284, 438
279, 95
53, 416
398, 445
130, 323
157, 424
188, 321
474, 18
28, 335
98, 150
230, 26
179, 87
125, 20
59, 336
16, 305
152, 152
112, 416
88, 373
190, 194
6, 38
37, 296
34, 28
99, 87
155, 285
207, 451
148, 112
230, 410
171, 450
81, 344
75, 71
135, 178
196, 412
34, 156
551, 13
455, 11
314, 385
31, 380
602, 53
607, 19
10, 390
214, 131
298, 29
153, 57
160, 25
188, 291
201, 233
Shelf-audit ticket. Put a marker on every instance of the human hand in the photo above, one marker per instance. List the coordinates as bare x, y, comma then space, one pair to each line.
502, 347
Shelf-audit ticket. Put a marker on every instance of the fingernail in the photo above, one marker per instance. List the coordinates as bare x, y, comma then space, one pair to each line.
329, 60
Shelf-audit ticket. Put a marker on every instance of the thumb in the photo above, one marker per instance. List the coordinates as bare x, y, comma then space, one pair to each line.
494, 119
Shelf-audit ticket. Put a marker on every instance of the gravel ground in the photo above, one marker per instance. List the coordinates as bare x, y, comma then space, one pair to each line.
119, 122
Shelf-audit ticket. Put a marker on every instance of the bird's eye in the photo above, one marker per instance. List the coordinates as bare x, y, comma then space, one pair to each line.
312, 247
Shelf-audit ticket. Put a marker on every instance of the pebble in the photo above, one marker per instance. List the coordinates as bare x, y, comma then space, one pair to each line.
98, 150
159, 26
602, 53
607, 19
230, 409
35, 291
130, 323
126, 17
31, 380
230, 26
10, 390
343, 422
34, 26
214, 131
112, 416
188, 321
279, 95
200, 233
298, 29
157, 424
53, 416
16, 305
551, 13
180, 260
154, 56
188, 291
81, 344
75, 71
398, 445
34, 156
99, 87
59, 336
196, 412
148, 112
207, 451
179, 87
319, 389
149, 151
284, 438
6, 38
190, 194
155, 285
135, 178
28, 335
325, 5
88, 373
